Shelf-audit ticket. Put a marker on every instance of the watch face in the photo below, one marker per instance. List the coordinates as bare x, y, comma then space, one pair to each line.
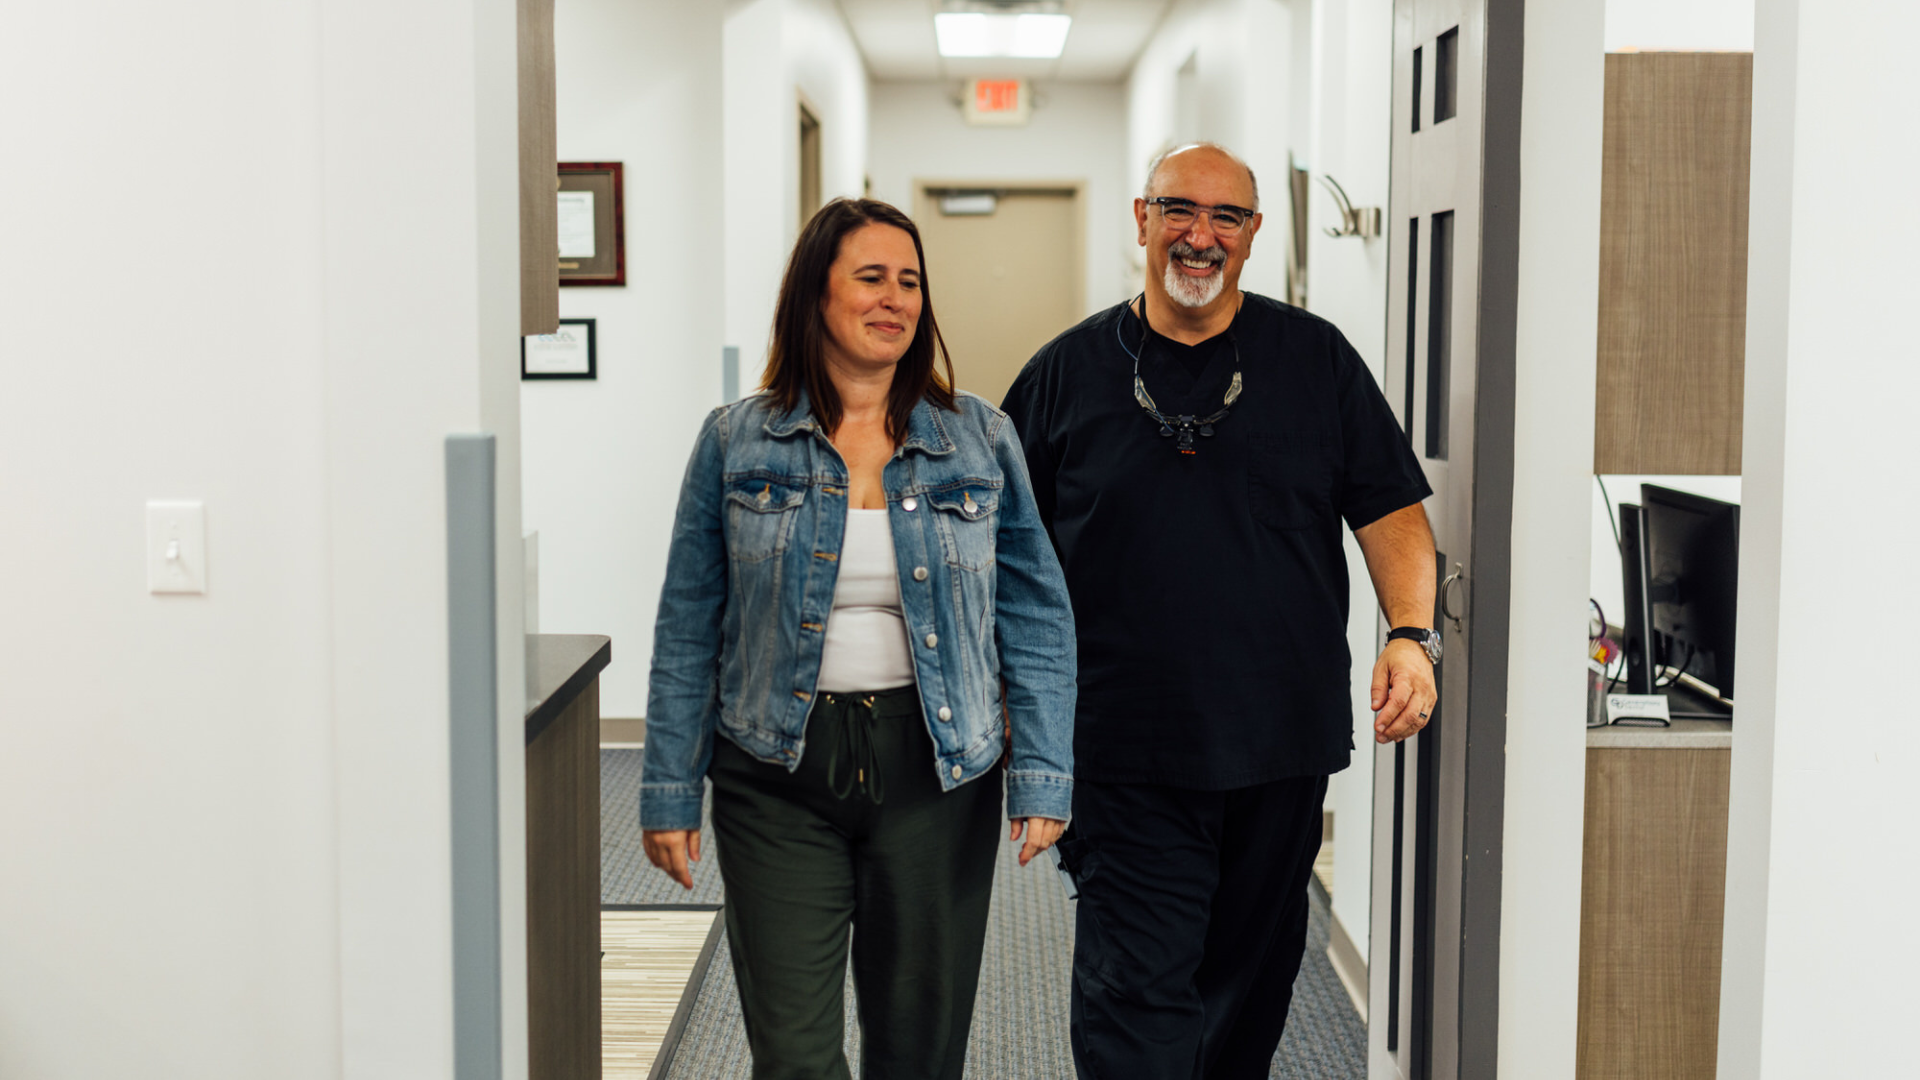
1432, 645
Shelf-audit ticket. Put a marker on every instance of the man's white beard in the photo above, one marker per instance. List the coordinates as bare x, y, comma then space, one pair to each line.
1194, 292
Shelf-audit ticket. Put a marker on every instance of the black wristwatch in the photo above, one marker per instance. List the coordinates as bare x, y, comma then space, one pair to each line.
1428, 639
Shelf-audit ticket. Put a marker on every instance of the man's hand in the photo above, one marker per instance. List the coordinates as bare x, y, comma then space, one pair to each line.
1041, 833
1403, 691
670, 850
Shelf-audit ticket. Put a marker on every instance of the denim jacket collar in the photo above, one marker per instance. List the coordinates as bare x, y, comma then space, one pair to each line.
925, 430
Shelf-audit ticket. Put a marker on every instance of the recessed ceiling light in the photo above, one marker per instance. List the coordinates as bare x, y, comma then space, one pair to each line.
974, 33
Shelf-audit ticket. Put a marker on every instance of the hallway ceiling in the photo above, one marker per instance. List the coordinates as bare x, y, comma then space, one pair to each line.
896, 37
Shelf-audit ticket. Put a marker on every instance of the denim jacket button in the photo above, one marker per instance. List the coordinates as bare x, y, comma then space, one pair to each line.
956, 772
919, 573
933, 640
945, 713
909, 504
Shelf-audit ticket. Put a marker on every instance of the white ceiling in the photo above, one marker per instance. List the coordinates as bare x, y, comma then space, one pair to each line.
896, 37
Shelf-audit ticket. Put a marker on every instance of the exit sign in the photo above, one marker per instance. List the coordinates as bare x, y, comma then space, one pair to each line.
998, 101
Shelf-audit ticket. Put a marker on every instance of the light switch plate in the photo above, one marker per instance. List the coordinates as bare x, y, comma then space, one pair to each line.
176, 546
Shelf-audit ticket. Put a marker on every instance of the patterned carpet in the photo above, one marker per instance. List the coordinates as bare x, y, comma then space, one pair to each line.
1020, 1020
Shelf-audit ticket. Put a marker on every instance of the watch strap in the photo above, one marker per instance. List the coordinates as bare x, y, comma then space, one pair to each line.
1415, 633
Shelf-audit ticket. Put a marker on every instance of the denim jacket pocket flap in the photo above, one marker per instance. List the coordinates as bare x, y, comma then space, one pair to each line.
765, 495
971, 503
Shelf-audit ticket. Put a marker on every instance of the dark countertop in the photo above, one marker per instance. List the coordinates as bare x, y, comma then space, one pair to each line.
559, 666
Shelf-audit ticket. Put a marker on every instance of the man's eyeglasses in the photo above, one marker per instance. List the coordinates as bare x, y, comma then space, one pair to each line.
1227, 220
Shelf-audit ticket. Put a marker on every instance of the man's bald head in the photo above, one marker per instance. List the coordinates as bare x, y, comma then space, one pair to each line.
1198, 148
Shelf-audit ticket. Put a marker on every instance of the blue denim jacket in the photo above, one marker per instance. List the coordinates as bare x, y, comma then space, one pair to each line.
750, 581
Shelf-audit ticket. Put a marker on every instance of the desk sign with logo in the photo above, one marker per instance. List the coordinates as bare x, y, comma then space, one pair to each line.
1004, 102
1642, 710
567, 353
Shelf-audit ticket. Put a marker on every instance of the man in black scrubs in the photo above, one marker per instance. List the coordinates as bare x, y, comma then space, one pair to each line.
1195, 453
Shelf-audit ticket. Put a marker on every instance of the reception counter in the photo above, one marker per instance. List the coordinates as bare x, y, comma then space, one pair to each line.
563, 854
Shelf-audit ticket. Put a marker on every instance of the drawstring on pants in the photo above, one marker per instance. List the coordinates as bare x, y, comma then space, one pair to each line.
856, 741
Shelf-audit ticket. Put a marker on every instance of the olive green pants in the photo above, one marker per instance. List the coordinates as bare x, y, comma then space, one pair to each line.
860, 837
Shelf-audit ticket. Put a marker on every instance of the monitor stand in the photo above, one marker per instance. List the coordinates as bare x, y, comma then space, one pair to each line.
1686, 703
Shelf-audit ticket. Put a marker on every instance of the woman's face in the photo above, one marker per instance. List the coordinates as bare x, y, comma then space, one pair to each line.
873, 298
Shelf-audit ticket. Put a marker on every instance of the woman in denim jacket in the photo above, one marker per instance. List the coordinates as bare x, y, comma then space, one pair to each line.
858, 581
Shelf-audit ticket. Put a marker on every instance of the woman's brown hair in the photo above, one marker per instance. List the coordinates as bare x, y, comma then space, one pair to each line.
797, 359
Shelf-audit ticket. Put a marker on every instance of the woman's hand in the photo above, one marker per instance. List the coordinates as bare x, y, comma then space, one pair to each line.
1041, 833
670, 850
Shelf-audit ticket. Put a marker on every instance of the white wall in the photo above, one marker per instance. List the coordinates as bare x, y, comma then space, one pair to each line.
1242, 53
224, 816
775, 52
1557, 319
702, 103
1821, 941
638, 83
1693, 26
1077, 133
1348, 126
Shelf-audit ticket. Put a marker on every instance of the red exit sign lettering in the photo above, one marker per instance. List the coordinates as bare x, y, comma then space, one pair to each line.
997, 101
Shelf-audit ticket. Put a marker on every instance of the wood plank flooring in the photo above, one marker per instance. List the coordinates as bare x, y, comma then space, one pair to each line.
650, 955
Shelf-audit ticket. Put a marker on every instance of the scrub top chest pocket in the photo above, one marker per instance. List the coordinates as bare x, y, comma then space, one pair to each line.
1290, 479
760, 512
966, 519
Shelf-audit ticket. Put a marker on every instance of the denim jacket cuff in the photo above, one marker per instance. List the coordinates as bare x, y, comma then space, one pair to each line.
1039, 794
671, 806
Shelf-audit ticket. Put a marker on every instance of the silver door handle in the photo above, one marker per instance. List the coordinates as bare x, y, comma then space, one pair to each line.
1446, 594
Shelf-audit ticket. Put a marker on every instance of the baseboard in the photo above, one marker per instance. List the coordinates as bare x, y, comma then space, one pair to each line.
1347, 964
627, 732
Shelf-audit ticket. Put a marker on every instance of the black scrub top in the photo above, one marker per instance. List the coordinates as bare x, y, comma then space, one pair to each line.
1210, 590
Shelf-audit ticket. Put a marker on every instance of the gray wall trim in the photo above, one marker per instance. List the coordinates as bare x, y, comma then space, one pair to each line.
474, 747
1491, 592
730, 373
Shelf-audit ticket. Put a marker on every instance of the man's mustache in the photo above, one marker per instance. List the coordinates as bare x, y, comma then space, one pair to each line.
1180, 249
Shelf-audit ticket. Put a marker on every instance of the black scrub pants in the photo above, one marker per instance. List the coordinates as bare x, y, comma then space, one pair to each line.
859, 837
1191, 924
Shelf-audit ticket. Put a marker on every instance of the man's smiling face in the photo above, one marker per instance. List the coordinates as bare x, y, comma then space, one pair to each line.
1194, 264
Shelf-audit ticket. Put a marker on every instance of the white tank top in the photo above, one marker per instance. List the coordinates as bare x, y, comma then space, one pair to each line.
866, 645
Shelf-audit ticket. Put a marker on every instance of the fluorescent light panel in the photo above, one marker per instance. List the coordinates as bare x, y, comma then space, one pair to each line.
973, 33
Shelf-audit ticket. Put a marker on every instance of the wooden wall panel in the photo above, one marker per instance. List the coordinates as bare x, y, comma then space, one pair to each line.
1652, 897
563, 894
539, 159
1673, 263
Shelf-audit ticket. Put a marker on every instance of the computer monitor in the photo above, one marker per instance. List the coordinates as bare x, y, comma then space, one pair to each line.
1634, 575
1691, 573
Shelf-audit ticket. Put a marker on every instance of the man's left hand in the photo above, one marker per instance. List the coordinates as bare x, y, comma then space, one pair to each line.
1403, 691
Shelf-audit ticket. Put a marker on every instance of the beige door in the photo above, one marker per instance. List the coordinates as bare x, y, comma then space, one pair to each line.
1003, 283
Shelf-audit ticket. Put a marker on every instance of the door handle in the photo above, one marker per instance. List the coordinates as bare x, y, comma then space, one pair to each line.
1446, 598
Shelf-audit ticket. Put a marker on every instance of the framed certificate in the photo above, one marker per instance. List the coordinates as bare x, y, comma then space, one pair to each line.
568, 353
592, 224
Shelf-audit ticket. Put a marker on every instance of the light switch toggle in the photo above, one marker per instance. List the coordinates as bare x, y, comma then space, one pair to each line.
176, 546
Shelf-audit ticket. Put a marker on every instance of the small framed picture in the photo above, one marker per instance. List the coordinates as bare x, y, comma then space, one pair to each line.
567, 353
592, 224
